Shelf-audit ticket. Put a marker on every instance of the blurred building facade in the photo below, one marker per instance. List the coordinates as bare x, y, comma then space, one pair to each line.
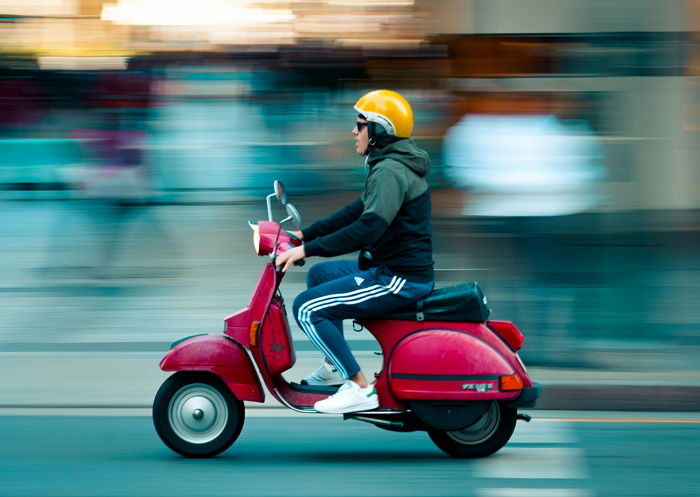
207, 101
629, 67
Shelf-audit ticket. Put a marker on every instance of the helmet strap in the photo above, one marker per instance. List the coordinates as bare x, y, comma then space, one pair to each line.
378, 137
372, 133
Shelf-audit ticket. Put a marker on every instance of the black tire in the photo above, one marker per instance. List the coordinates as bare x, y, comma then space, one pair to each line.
480, 439
196, 415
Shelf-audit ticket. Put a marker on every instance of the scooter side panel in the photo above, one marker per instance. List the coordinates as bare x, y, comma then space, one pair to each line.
447, 365
221, 356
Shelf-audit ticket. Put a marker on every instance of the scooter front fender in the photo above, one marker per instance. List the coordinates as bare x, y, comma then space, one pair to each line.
219, 355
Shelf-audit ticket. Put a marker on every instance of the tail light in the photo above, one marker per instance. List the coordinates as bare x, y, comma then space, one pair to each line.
508, 332
511, 382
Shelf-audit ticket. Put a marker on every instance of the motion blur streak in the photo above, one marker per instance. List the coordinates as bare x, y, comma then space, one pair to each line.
138, 136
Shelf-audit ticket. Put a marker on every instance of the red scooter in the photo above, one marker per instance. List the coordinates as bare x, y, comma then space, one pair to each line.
447, 369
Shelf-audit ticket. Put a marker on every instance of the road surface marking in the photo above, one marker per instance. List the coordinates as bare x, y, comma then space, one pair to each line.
532, 492
533, 462
538, 433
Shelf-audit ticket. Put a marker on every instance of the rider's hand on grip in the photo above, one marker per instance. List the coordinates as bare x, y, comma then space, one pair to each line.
287, 256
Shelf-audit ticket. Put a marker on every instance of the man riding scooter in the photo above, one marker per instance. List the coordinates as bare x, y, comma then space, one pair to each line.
389, 224
447, 369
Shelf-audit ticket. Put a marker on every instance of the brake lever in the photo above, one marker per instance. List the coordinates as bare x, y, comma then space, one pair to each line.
293, 236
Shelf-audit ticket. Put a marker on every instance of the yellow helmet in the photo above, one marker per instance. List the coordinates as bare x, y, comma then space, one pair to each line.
389, 109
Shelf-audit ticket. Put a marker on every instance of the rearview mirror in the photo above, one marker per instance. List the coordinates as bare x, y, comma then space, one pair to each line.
280, 192
294, 216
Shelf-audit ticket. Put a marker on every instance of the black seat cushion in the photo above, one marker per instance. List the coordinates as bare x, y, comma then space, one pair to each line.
464, 303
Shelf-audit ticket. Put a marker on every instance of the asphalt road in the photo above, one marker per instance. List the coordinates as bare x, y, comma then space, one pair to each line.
599, 456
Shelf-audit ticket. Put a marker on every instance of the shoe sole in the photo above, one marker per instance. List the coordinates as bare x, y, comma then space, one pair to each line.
363, 407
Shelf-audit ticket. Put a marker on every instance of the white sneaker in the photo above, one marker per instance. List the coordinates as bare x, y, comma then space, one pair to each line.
325, 375
351, 397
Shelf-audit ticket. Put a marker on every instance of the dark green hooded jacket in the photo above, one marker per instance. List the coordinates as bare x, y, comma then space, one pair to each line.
390, 223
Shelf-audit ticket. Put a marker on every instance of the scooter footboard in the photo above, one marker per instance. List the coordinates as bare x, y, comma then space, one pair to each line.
219, 355
449, 365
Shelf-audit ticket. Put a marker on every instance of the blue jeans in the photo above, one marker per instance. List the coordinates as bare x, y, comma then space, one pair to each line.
338, 290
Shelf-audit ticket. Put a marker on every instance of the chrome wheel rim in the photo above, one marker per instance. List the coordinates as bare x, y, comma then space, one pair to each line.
481, 430
198, 413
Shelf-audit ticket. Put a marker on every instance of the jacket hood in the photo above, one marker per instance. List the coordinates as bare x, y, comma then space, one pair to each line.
405, 152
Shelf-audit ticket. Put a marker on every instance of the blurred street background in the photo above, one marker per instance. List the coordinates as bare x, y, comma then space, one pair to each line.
138, 137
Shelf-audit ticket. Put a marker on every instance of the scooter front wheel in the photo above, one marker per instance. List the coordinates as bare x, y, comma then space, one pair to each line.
196, 415
480, 439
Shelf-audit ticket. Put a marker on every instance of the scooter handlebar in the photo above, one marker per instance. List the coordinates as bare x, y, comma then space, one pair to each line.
283, 247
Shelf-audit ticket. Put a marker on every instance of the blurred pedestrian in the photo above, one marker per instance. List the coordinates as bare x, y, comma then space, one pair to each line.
113, 184
522, 160
525, 164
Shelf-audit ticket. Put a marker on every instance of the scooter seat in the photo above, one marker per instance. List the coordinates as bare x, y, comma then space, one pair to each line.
465, 302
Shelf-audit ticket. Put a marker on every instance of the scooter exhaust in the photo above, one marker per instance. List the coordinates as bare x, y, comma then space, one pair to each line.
382, 423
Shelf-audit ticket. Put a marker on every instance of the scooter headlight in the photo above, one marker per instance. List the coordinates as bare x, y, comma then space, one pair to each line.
256, 236
264, 236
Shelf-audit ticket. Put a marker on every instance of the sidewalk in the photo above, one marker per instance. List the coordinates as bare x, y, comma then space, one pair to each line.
75, 381
625, 338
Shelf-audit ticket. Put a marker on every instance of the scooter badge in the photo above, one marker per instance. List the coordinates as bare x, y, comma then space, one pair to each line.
479, 387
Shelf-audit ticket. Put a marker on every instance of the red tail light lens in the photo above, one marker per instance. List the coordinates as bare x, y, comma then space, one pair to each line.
508, 332
511, 382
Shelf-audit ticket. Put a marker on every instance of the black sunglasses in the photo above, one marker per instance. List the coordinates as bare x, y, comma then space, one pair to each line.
360, 125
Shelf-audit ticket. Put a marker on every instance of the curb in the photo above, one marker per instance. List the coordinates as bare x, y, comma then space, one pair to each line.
88, 380
619, 398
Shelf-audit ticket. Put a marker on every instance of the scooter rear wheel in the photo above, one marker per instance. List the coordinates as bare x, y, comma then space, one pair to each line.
196, 415
480, 439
